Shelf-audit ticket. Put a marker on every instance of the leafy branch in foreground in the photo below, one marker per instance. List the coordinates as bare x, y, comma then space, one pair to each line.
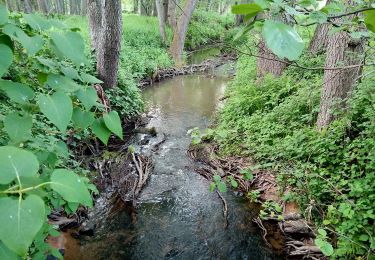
41, 109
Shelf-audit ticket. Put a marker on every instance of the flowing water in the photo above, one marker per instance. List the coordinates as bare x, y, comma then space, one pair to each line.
177, 216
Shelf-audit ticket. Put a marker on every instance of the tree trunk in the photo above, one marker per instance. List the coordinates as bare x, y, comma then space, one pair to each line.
135, 6
179, 33
42, 6
338, 84
84, 7
267, 62
172, 17
94, 10
10, 5
161, 16
27, 6
319, 42
110, 43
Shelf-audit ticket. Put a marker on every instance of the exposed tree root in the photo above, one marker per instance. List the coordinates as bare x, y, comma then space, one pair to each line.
225, 208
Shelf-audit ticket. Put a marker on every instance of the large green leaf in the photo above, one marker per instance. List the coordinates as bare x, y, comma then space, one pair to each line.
252, 9
69, 45
6, 253
101, 131
70, 72
326, 247
20, 221
370, 20
57, 108
283, 40
87, 78
17, 92
87, 96
82, 119
6, 55
71, 187
59, 82
37, 22
31, 44
113, 122
3, 14
15, 163
17, 127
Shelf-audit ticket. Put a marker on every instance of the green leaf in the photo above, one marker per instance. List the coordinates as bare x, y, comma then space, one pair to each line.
71, 187
212, 186
252, 9
57, 108
216, 178
15, 163
17, 127
87, 96
113, 122
87, 78
69, 45
222, 187
3, 14
70, 72
37, 22
17, 92
322, 232
283, 40
324, 246
59, 82
6, 253
6, 60
101, 131
20, 221
370, 20
364, 237
234, 183
31, 44
82, 119
243, 31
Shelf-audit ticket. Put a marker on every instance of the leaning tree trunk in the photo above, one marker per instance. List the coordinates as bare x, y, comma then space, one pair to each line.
94, 11
108, 54
161, 16
179, 33
342, 51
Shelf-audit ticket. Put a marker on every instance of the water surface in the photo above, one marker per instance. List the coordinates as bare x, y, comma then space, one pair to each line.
177, 217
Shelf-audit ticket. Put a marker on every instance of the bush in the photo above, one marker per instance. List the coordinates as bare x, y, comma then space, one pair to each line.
330, 172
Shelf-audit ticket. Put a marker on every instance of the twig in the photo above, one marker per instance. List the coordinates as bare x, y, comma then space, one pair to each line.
225, 208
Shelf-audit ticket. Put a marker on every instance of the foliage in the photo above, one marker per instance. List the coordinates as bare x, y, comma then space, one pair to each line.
331, 173
207, 28
45, 91
281, 18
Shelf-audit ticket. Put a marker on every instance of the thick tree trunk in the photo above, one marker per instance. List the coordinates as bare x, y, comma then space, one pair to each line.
179, 33
94, 11
10, 5
342, 51
268, 63
338, 84
27, 6
172, 17
84, 7
110, 43
42, 6
319, 42
161, 16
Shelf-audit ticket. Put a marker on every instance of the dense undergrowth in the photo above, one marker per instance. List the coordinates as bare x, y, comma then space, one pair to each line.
331, 173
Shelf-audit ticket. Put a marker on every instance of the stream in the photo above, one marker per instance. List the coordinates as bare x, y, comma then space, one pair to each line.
177, 217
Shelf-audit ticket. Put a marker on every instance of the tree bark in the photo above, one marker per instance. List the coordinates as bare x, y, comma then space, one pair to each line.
319, 42
84, 7
338, 84
27, 6
179, 33
172, 17
161, 16
42, 6
94, 10
110, 43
